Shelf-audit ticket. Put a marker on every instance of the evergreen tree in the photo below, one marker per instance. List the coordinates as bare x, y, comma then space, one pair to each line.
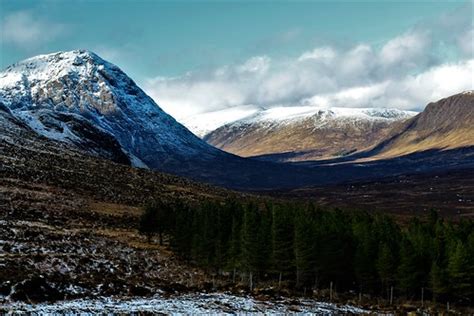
236, 213
366, 252
459, 270
438, 281
182, 230
149, 221
250, 240
386, 266
282, 240
408, 279
304, 246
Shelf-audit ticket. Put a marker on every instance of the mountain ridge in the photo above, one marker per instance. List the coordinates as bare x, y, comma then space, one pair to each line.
444, 124
97, 109
315, 132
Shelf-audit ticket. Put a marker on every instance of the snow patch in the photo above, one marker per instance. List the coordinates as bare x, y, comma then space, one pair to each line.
63, 134
190, 304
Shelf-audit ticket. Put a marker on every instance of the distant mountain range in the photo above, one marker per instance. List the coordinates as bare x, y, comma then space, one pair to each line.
76, 101
308, 132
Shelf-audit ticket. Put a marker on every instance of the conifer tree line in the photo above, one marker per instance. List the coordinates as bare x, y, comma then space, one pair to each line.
306, 247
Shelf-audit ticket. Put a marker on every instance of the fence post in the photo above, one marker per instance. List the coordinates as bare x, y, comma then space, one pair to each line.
422, 297
330, 292
251, 282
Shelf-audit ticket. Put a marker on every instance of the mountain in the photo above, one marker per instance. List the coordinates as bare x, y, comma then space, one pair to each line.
204, 123
80, 100
77, 103
443, 125
66, 95
306, 132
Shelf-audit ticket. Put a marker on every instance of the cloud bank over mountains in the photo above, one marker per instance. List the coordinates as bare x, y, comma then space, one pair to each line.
426, 63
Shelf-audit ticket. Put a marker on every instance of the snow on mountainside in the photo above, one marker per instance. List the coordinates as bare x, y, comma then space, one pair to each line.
291, 114
205, 123
308, 131
88, 88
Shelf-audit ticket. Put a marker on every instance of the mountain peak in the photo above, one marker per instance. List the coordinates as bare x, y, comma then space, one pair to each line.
45, 90
50, 67
73, 58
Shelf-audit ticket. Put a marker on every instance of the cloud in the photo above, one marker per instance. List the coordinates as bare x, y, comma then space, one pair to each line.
406, 72
258, 65
25, 30
319, 53
405, 51
409, 92
466, 42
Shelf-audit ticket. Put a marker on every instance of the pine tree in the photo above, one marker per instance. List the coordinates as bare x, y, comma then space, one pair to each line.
407, 270
149, 221
458, 270
182, 231
235, 248
304, 247
386, 266
366, 251
282, 240
438, 281
250, 240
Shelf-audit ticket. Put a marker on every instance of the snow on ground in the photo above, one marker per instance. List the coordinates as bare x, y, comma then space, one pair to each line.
216, 303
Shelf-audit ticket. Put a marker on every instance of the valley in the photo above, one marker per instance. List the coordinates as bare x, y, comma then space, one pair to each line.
84, 150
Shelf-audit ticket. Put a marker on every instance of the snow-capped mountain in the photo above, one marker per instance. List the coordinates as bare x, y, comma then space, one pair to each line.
203, 123
313, 132
55, 92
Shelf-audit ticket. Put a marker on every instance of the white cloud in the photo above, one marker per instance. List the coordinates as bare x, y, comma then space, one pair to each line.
319, 53
435, 83
258, 64
403, 73
25, 30
406, 49
466, 42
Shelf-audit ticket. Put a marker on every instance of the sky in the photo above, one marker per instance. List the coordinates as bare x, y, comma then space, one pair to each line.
197, 57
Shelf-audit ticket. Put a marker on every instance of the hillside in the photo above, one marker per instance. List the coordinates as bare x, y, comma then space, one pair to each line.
305, 133
51, 93
443, 125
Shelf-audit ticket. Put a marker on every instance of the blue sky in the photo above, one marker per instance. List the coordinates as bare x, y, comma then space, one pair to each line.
170, 45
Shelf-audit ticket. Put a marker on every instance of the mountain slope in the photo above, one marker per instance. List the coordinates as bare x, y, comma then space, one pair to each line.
44, 92
81, 85
82, 103
305, 133
445, 124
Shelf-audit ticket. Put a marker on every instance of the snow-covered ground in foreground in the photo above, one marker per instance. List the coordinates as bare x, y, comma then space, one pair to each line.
217, 303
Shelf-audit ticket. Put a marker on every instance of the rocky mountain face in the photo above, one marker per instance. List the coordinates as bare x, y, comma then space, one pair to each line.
79, 98
306, 133
82, 102
443, 125
72, 103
